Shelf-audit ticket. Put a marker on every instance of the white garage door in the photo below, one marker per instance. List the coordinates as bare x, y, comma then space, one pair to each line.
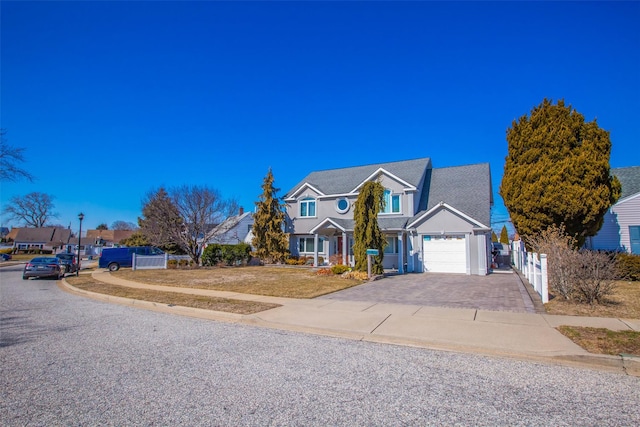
444, 254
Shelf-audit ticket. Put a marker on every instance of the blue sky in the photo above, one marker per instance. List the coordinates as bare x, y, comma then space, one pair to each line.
114, 99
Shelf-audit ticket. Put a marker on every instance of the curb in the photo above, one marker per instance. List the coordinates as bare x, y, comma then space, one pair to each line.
623, 364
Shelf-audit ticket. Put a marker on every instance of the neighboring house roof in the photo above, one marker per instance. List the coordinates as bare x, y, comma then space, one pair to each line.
43, 235
230, 222
629, 178
13, 233
113, 236
347, 180
466, 188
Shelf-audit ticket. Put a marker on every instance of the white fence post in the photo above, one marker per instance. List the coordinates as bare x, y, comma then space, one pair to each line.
166, 260
545, 281
537, 280
133, 262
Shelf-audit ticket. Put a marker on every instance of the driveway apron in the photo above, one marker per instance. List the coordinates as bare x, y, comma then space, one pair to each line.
497, 291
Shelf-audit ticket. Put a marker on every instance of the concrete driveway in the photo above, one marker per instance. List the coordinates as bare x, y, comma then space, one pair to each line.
496, 291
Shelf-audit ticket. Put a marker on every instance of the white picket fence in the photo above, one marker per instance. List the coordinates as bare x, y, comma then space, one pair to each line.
533, 267
149, 262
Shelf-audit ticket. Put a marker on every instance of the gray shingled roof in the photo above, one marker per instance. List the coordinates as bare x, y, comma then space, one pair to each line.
465, 188
43, 235
630, 180
341, 181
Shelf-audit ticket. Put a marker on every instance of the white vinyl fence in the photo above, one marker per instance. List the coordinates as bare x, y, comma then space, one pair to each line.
148, 262
533, 267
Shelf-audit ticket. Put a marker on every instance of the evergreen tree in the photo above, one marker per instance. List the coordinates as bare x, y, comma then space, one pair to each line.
494, 237
504, 235
557, 172
270, 242
367, 233
160, 220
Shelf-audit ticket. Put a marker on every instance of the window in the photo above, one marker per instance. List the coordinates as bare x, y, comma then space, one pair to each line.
391, 202
392, 245
634, 238
308, 207
305, 245
342, 205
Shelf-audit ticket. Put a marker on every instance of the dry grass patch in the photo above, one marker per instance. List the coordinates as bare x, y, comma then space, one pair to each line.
269, 281
88, 283
603, 341
624, 303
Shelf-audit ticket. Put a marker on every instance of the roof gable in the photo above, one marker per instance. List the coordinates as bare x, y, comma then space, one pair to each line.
43, 235
349, 180
466, 188
444, 206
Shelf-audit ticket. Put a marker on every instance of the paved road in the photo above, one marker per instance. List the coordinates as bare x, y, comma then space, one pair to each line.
66, 360
497, 291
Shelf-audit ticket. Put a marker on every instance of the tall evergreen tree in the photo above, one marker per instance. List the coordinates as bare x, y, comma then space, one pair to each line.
494, 237
367, 233
270, 242
557, 172
504, 235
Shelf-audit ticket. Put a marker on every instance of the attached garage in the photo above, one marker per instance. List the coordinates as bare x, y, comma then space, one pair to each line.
445, 254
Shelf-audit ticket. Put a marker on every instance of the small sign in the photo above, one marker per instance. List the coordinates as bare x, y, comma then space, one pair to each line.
372, 252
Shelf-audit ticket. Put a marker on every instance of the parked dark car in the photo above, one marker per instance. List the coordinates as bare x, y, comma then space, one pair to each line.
5, 257
44, 267
69, 261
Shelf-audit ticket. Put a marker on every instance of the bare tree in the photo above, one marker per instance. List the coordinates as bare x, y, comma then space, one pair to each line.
186, 216
123, 225
9, 156
35, 209
201, 209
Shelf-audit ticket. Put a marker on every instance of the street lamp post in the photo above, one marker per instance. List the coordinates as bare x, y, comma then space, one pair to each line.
80, 217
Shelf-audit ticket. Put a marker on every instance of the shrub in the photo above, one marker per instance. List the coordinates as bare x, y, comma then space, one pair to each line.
628, 266
357, 275
6, 251
595, 276
335, 259
215, 254
172, 263
324, 272
561, 259
184, 263
291, 261
340, 268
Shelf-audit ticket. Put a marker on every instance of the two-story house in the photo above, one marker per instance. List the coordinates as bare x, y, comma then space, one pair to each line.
435, 220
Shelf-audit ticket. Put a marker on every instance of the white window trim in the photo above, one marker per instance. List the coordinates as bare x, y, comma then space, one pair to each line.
307, 201
390, 204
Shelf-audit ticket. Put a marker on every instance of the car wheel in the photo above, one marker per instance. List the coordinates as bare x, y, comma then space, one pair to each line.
25, 278
114, 266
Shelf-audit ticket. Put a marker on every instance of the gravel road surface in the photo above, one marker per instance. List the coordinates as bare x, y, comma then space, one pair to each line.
67, 360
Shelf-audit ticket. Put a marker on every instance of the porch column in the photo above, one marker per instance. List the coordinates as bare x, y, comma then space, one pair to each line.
410, 252
315, 250
345, 245
400, 253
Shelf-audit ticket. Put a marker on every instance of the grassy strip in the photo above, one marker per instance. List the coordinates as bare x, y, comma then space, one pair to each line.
87, 283
603, 341
624, 303
268, 281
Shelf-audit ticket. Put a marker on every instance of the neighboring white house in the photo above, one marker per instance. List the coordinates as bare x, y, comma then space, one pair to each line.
621, 227
235, 229
435, 220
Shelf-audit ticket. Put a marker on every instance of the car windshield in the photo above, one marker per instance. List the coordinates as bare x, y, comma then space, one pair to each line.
66, 257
